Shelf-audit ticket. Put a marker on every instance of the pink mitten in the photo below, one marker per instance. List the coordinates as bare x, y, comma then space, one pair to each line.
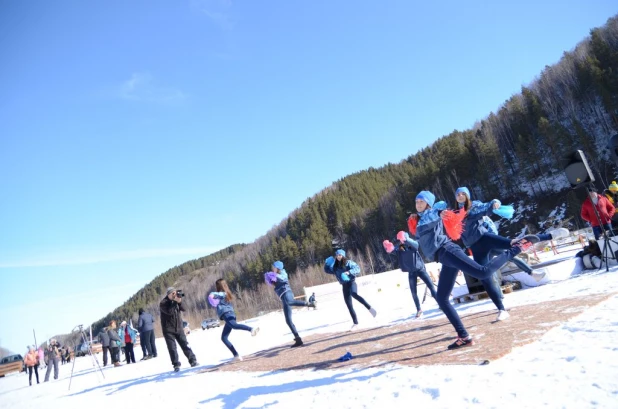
388, 246
401, 236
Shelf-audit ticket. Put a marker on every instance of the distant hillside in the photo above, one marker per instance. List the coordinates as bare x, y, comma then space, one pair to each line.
515, 154
151, 293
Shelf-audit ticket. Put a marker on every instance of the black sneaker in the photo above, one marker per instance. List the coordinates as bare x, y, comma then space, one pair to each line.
462, 342
176, 369
298, 343
194, 364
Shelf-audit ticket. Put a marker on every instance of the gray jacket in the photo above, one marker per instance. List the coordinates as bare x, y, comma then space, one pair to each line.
114, 339
104, 338
145, 322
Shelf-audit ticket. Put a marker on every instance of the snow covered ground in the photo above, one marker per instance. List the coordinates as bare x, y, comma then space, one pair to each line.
572, 366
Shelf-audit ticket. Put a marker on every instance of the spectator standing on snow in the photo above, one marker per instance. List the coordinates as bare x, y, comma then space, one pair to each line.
146, 334
171, 324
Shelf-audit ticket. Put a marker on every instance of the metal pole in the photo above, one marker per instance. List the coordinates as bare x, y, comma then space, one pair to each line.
35, 343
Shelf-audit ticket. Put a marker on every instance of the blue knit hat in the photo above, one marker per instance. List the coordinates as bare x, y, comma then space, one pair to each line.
338, 252
278, 264
427, 196
463, 189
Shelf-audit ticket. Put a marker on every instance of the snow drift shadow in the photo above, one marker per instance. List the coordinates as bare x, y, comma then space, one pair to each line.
240, 396
127, 383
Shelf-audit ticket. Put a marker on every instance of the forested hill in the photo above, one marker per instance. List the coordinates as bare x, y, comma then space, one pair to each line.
515, 154
153, 290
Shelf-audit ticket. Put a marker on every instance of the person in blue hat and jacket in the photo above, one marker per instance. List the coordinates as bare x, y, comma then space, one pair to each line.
480, 235
411, 262
346, 271
279, 278
428, 227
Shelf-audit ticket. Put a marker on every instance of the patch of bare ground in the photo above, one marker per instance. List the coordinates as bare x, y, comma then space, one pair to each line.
419, 342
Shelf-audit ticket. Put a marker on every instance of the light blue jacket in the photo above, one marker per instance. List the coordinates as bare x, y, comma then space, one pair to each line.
473, 223
430, 232
351, 267
282, 285
132, 334
224, 308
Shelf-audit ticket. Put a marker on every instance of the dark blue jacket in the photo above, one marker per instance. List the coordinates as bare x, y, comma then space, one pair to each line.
144, 323
410, 259
430, 233
351, 267
224, 308
282, 285
473, 223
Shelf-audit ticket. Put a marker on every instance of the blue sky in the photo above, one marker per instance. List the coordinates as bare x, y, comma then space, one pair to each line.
138, 135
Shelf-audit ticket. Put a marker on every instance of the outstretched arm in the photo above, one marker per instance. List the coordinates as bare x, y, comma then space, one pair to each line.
218, 294
441, 205
329, 265
405, 238
352, 268
282, 276
488, 208
215, 297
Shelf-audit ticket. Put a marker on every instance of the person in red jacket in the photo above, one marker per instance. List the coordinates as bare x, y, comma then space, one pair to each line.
605, 209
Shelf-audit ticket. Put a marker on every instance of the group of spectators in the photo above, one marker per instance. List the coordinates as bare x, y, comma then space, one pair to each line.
52, 355
113, 339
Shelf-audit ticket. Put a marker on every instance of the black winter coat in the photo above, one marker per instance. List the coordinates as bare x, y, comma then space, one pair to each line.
171, 321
